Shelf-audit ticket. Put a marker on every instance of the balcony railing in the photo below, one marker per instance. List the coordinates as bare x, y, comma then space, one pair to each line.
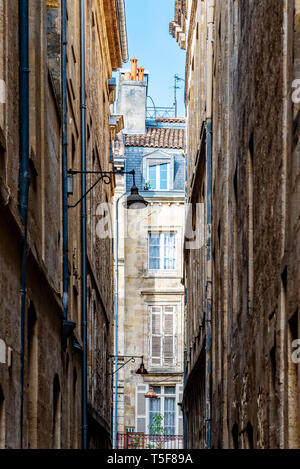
142, 441
152, 113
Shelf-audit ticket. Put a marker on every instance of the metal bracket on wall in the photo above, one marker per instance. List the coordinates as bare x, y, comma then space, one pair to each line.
105, 176
131, 358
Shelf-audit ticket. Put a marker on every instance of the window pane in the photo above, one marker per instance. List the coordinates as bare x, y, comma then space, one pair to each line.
170, 390
155, 405
152, 177
154, 264
154, 409
170, 251
154, 239
169, 415
154, 251
164, 176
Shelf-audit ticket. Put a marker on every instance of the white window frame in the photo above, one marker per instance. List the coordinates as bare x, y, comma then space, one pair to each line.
157, 164
162, 253
143, 388
162, 404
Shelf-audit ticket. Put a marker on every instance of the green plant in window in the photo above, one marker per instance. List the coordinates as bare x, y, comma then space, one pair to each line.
155, 429
147, 185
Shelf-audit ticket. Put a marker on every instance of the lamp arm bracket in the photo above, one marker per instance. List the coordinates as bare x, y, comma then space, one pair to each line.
122, 366
105, 176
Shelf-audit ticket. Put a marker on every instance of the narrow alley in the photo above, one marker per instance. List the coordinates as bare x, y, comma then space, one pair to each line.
150, 226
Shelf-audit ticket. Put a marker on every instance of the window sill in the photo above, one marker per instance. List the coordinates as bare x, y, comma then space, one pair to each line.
162, 274
164, 371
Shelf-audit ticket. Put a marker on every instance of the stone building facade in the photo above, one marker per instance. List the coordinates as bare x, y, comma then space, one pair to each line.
242, 386
149, 262
52, 391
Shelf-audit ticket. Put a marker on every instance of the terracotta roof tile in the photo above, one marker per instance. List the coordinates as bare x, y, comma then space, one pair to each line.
157, 138
171, 120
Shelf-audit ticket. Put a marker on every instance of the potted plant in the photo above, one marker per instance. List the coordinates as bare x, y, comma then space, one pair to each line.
147, 185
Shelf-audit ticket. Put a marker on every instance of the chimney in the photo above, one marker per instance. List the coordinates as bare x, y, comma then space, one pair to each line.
141, 74
132, 99
133, 69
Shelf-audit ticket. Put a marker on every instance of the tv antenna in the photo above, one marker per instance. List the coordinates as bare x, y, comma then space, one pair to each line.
177, 79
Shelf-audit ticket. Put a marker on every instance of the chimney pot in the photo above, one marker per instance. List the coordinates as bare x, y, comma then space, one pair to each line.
133, 69
141, 73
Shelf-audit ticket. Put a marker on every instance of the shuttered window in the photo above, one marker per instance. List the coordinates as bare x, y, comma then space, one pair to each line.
162, 335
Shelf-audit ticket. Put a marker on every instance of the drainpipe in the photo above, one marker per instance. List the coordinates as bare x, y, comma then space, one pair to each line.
23, 180
209, 104
184, 407
116, 266
64, 156
83, 223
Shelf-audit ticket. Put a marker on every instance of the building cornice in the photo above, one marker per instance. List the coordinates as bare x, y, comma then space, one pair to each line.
122, 29
190, 32
162, 292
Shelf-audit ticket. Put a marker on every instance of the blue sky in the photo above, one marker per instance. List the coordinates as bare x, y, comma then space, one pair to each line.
149, 41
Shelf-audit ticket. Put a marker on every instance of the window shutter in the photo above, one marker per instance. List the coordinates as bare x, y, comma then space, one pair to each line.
168, 337
141, 409
156, 333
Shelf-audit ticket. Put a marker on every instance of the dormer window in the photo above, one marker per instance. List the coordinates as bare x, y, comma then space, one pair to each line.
158, 171
158, 176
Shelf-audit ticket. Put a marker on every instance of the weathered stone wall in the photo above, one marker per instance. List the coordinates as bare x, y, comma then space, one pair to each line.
52, 376
139, 288
255, 232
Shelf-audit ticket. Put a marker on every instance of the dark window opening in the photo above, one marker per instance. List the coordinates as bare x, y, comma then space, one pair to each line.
249, 433
2, 419
235, 436
56, 432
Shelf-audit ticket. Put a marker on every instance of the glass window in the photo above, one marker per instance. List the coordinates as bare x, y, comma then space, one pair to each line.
170, 390
162, 251
165, 406
152, 177
158, 176
154, 409
169, 415
169, 251
164, 176
154, 251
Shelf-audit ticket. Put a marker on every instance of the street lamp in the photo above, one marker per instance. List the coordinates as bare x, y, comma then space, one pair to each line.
140, 371
134, 201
